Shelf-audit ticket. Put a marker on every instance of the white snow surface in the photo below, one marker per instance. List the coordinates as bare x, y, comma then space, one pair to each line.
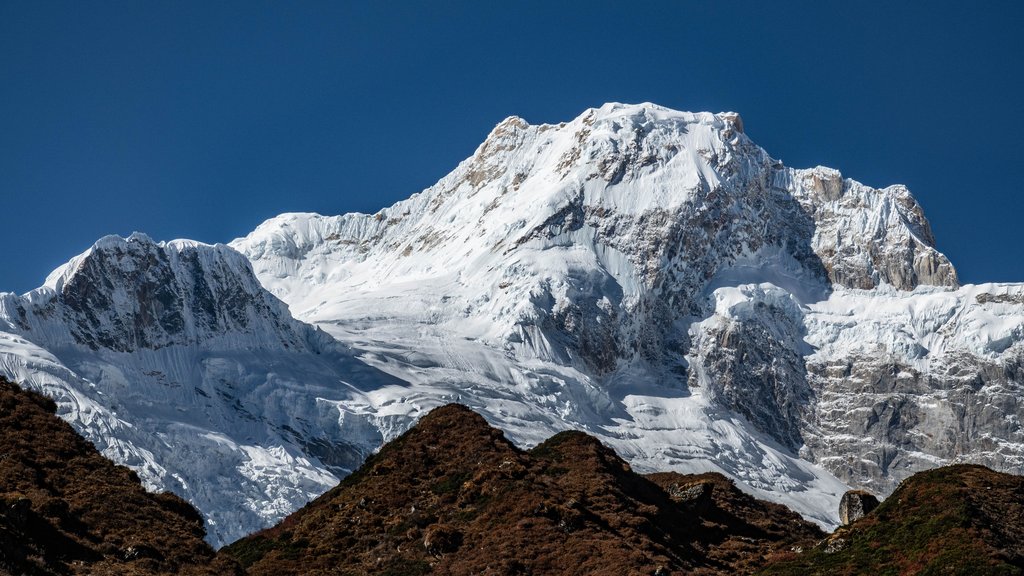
564, 277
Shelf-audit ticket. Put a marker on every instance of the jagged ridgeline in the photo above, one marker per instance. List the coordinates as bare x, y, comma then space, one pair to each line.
453, 496
649, 276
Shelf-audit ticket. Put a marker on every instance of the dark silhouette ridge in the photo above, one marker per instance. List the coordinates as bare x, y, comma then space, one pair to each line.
454, 496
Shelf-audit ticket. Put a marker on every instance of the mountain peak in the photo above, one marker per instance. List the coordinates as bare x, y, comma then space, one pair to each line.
454, 420
455, 429
650, 276
650, 112
580, 226
131, 247
131, 293
56, 279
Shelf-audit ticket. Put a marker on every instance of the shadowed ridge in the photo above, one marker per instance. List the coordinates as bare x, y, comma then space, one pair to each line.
65, 509
381, 509
581, 453
441, 439
567, 440
962, 519
735, 529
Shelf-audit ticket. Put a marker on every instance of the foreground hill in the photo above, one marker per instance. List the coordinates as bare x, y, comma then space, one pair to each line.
65, 509
453, 496
955, 520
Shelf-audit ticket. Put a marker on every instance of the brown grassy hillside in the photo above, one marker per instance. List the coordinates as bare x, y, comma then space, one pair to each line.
453, 496
65, 509
960, 519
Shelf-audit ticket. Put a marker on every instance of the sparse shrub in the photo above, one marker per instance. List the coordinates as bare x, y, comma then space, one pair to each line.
441, 539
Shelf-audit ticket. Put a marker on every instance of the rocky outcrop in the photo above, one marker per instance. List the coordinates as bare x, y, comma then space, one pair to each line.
127, 294
872, 385
867, 237
855, 505
750, 354
914, 382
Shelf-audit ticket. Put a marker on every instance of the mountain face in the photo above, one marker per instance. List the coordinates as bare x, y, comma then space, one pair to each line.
648, 276
453, 496
608, 232
173, 360
639, 271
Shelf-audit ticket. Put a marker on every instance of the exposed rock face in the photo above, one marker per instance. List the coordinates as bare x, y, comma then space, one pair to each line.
872, 385
751, 355
902, 382
867, 237
855, 505
126, 294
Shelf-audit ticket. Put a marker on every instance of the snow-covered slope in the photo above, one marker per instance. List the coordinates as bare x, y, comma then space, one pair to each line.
650, 276
172, 359
608, 230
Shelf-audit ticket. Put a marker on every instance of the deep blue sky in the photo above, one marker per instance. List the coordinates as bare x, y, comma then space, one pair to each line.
202, 119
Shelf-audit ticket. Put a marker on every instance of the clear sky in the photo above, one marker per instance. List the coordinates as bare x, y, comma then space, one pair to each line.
202, 119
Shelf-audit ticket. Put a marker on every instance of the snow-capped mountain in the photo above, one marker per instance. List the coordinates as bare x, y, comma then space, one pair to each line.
632, 244
172, 359
650, 276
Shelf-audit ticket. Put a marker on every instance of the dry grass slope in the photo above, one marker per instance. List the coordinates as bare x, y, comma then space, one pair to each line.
453, 496
65, 509
961, 519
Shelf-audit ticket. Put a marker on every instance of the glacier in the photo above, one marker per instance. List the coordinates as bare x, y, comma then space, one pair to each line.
652, 277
